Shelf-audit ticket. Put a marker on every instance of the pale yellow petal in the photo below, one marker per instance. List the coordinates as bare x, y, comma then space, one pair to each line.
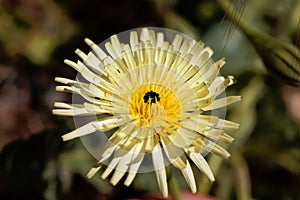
97, 109
66, 105
82, 131
98, 51
129, 59
72, 112
196, 52
220, 63
84, 71
220, 151
122, 167
64, 88
149, 141
152, 37
160, 171
95, 64
162, 53
94, 170
116, 158
201, 60
160, 40
135, 163
219, 103
226, 138
117, 176
177, 42
208, 71
139, 55
116, 45
134, 166
175, 155
148, 35
65, 80
186, 47
111, 167
80, 53
95, 92
202, 165
220, 84
103, 125
215, 122
87, 90
110, 50
170, 57
189, 177
130, 142
183, 138
133, 40
109, 149
149, 53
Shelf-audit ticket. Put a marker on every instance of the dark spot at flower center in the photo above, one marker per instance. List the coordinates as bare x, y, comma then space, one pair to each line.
151, 97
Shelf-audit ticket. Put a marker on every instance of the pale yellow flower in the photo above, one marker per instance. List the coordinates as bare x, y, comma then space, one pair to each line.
157, 92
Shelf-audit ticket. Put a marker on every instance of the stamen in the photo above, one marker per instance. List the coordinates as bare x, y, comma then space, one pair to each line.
152, 96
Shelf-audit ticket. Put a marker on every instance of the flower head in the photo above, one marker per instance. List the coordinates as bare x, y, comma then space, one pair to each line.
157, 93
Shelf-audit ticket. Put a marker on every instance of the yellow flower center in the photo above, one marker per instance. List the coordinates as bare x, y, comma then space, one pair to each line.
154, 105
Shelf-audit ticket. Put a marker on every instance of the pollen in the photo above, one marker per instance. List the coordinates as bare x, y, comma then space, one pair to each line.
153, 105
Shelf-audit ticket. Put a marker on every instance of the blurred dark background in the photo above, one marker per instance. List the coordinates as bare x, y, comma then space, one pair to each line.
37, 35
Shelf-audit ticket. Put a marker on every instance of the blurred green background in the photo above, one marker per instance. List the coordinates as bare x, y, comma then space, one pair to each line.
37, 35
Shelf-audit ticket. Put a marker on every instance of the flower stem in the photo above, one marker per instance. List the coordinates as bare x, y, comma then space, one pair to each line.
235, 16
173, 187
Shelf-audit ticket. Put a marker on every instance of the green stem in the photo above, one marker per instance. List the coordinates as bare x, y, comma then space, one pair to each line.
230, 11
252, 34
173, 187
243, 186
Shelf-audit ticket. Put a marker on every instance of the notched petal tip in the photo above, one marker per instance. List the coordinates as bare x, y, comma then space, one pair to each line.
94, 170
232, 80
116, 177
72, 64
81, 54
81, 131
220, 63
61, 88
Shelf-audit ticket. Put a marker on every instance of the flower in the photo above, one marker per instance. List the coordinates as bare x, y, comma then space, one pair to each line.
156, 92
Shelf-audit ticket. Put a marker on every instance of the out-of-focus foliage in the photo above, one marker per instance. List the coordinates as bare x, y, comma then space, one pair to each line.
35, 37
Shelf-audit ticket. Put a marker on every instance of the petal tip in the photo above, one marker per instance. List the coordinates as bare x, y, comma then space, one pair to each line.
93, 171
